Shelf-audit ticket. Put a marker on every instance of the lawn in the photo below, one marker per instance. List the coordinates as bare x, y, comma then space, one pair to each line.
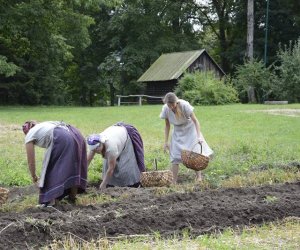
243, 137
253, 144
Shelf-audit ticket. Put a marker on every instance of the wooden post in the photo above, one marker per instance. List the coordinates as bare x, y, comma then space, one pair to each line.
119, 100
140, 100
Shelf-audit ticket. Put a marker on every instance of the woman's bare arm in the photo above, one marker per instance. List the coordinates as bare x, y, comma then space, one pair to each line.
111, 167
31, 160
90, 156
167, 132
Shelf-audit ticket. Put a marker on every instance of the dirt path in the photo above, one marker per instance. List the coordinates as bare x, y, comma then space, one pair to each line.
145, 213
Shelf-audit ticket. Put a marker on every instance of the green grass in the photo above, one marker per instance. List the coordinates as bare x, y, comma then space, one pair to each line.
240, 136
251, 148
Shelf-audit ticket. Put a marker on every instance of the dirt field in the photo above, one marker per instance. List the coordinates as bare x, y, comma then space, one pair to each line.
142, 211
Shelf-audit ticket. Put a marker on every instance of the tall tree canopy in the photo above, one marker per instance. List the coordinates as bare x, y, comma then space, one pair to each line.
41, 38
140, 30
86, 51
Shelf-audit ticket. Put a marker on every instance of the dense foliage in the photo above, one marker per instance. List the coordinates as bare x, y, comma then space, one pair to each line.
39, 39
280, 81
206, 89
86, 51
288, 85
254, 74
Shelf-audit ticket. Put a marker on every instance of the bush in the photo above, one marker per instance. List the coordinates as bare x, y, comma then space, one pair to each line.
204, 88
254, 74
288, 85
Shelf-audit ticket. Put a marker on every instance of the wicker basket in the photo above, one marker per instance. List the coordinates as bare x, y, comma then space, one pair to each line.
3, 195
194, 160
156, 178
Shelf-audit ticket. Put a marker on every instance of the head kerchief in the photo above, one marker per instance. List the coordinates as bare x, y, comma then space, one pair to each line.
93, 141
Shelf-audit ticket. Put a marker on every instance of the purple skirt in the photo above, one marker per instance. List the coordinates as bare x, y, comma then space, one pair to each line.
67, 167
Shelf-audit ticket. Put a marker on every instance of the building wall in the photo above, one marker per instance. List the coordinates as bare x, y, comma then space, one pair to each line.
204, 63
159, 89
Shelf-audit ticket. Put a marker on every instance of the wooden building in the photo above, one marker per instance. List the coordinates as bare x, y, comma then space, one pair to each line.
163, 75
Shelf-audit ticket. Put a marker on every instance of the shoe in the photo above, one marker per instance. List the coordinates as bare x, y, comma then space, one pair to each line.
44, 205
48, 204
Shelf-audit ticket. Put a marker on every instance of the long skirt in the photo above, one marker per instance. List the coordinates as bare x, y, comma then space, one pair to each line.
67, 166
126, 172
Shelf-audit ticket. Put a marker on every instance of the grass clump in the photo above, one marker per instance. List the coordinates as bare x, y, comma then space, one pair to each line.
278, 235
28, 201
257, 178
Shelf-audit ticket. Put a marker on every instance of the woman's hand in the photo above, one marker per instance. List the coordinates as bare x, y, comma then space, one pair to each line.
166, 147
35, 180
102, 186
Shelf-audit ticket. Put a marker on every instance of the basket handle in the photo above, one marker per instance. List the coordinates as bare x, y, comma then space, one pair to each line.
194, 147
200, 146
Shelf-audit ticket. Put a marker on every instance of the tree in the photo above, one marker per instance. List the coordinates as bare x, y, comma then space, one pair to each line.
85, 81
227, 19
140, 30
283, 26
254, 73
218, 14
36, 37
288, 84
250, 29
111, 72
7, 68
250, 24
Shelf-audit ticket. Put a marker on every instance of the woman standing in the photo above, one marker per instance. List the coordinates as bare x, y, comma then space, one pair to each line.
121, 147
186, 132
64, 170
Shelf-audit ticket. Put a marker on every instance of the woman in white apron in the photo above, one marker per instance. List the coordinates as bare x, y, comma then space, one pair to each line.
64, 170
121, 147
186, 132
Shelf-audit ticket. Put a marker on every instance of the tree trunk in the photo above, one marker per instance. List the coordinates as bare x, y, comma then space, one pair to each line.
250, 29
224, 31
112, 94
250, 32
251, 95
223, 44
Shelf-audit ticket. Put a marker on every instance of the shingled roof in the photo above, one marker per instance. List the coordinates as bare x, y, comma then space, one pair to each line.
171, 66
